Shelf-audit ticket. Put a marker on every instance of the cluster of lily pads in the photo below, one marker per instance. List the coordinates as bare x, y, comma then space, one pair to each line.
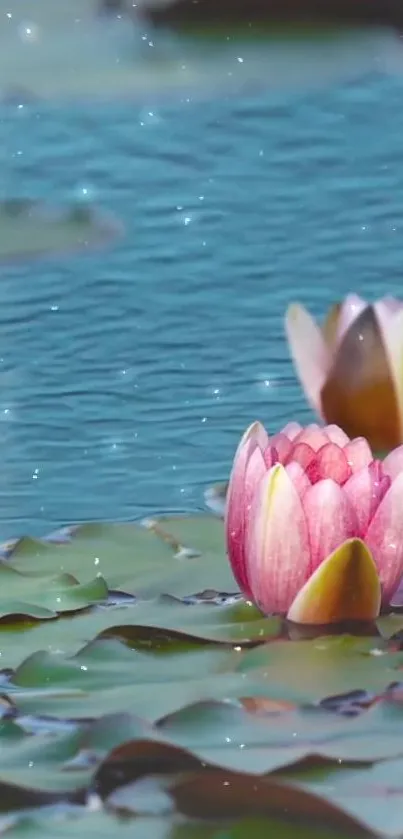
141, 693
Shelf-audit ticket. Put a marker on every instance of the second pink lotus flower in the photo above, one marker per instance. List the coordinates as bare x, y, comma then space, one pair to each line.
351, 366
314, 524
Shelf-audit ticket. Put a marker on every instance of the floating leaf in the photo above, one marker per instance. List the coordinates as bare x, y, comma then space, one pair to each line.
134, 672
39, 46
213, 794
29, 229
41, 596
372, 793
108, 677
144, 561
325, 666
181, 625
106, 663
230, 734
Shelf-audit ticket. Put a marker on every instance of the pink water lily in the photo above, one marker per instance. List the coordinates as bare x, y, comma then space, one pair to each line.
351, 368
314, 525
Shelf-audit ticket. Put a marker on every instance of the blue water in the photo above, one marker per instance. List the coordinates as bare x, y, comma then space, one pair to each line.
127, 375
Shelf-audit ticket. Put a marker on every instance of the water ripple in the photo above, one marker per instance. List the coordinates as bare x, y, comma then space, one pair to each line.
127, 377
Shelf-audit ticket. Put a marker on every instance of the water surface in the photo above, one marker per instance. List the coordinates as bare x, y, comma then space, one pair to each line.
127, 376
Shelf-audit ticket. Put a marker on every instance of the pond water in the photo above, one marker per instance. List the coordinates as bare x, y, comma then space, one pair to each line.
128, 374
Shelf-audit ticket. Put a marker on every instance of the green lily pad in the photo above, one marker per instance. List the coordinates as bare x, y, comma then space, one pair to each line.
64, 761
30, 229
107, 674
137, 559
109, 663
102, 824
245, 735
136, 678
42, 596
159, 624
372, 793
325, 666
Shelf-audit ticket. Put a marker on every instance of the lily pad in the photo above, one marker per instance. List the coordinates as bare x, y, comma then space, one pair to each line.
141, 560
374, 793
325, 666
202, 792
138, 683
30, 229
44, 596
71, 49
102, 824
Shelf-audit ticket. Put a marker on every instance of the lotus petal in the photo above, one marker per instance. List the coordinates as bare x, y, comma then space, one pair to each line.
336, 435
330, 326
299, 477
257, 432
393, 463
344, 587
359, 393
248, 468
350, 310
302, 454
314, 435
291, 430
385, 539
365, 491
358, 453
270, 456
391, 329
282, 446
392, 304
329, 462
309, 351
277, 546
330, 517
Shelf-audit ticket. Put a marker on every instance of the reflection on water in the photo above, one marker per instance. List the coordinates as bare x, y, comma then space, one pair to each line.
127, 376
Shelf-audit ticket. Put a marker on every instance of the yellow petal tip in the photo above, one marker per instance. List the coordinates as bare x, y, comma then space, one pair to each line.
345, 587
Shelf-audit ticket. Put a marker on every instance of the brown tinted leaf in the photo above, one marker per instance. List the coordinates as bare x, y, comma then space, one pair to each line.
139, 758
262, 706
157, 636
178, 549
15, 797
218, 794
